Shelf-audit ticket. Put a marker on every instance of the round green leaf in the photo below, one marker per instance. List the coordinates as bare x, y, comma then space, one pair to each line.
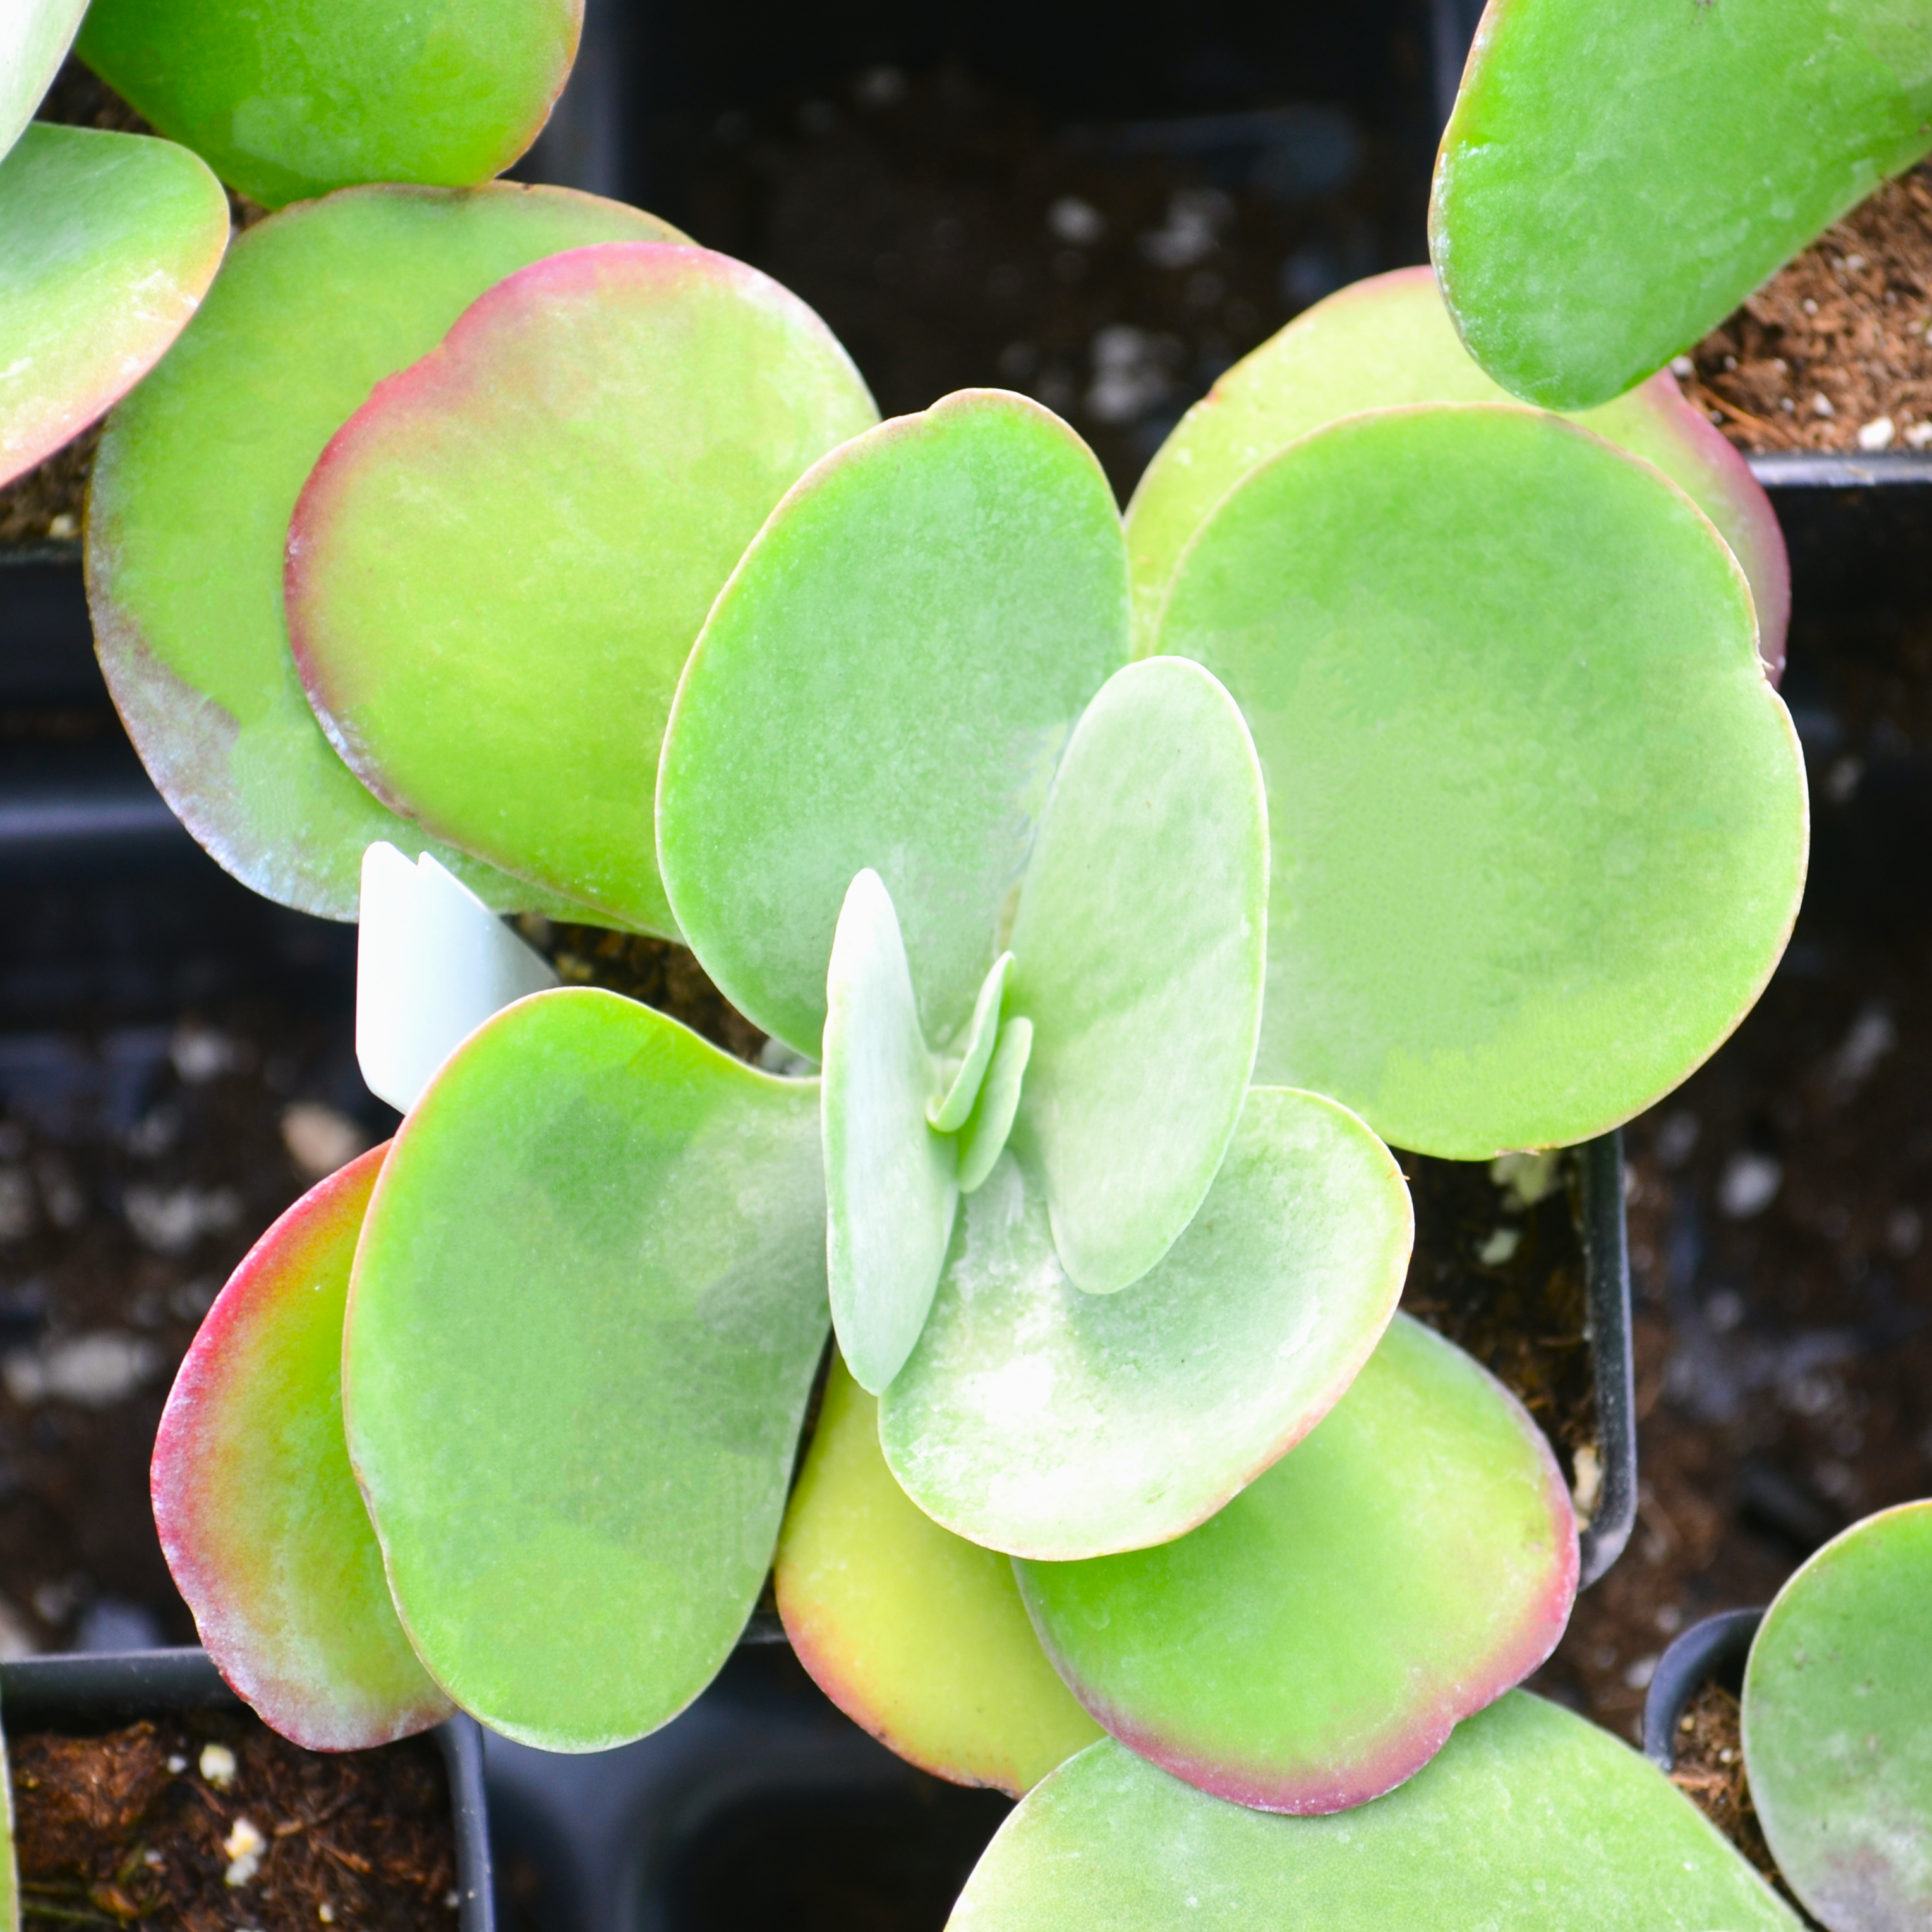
1314, 1644
585, 1314
1838, 1726
499, 565
1586, 232
1539, 822
107, 242
889, 1182
1139, 949
888, 680
1531, 1820
258, 1513
1037, 1419
197, 477
34, 37
289, 98
915, 1634
1389, 340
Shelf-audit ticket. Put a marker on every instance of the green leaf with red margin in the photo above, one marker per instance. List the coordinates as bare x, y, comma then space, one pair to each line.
1037, 1419
1618, 176
259, 1517
498, 566
587, 1312
913, 1632
1387, 341
1530, 1820
1313, 1645
1838, 1726
197, 475
287, 99
888, 680
107, 243
1539, 822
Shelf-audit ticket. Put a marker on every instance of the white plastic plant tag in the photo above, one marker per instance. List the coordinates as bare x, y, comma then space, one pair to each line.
433, 962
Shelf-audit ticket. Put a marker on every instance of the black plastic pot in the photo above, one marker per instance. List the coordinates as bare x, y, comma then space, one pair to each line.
1711, 1650
121, 1687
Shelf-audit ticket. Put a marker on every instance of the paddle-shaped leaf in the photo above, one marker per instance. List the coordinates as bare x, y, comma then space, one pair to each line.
915, 1634
288, 100
1531, 1820
949, 1114
1838, 1726
107, 242
983, 1138
1586, 232
500, 562
258, 1513
586, 1313
1139, 950
197, 477
888, 680
1313, 1645
889, 1186
34, 36
1539, 822
432, 964
1387, 341
1034, 1418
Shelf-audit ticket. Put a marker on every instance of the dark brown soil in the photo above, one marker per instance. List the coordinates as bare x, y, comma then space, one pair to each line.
202, 1825
660, 973
1833, 352
1709, 1770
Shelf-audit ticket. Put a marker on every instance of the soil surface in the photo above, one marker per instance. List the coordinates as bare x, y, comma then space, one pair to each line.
1833, 352
198, 1825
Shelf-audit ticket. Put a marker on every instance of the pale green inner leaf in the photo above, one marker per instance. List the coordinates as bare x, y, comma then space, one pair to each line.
1140, 944
948, 1114
1035, 1418
888, 680
889, 1185
984, 1137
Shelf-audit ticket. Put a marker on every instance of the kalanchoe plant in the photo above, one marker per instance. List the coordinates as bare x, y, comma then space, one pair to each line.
1838, 1726
108, 240
1617, 176
1421, 779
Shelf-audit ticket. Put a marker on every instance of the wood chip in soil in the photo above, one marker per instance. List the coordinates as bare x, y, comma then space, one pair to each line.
212, 1821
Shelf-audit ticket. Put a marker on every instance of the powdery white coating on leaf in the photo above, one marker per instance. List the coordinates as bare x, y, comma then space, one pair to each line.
890, 1184
257, 1510
1140, 946
1530, 1820
888, 679
34, 36
1038, 1419
107, 243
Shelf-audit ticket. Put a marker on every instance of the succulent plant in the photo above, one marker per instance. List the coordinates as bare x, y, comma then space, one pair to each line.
108, 240
1838, 1734
1585, 233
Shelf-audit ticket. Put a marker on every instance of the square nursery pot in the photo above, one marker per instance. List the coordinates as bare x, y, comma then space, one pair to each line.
86, 1696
